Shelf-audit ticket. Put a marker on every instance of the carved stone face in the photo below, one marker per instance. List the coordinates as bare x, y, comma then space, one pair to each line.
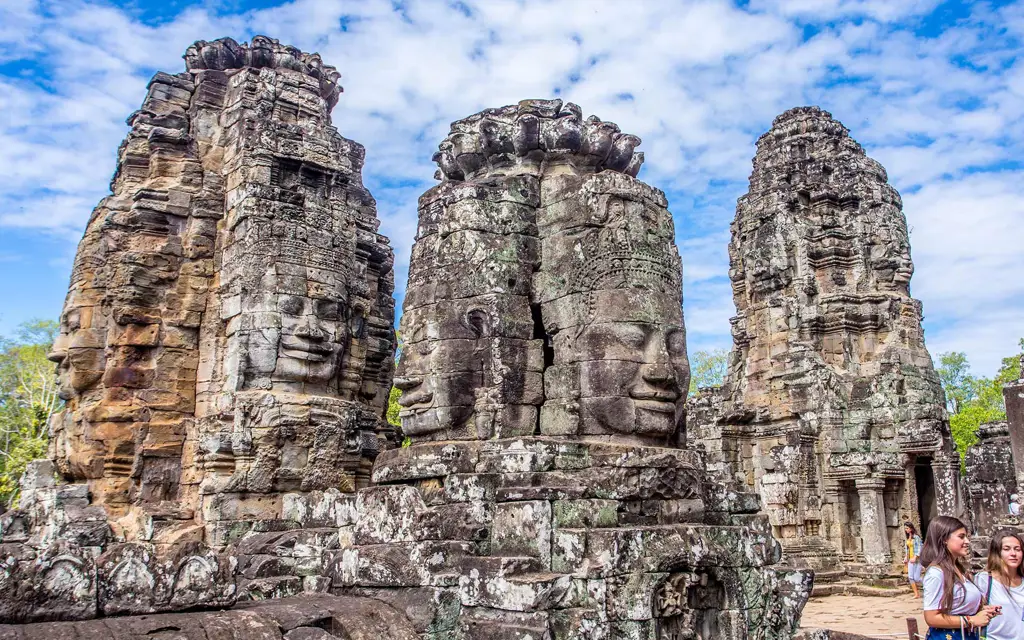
614, 314
440, 377
295, 333
79, 356
313, 332
643, 393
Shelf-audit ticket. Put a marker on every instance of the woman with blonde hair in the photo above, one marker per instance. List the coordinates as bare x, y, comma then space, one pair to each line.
953, 604
1003, 586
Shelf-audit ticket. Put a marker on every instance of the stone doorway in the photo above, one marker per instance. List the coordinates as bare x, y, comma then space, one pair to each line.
924, 482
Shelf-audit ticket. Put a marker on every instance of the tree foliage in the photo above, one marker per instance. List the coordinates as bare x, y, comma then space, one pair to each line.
955, 373
28, 395
708, 369
393, 407
973, 401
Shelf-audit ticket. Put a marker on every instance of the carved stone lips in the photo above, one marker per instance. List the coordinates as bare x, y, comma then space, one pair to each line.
415, 402
660, 406
306, 350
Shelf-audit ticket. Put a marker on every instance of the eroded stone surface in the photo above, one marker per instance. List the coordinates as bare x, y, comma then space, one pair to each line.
831, 409
226, 352
300, 618
227, 334
544, 287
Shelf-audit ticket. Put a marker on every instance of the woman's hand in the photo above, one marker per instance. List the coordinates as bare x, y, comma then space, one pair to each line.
982, 618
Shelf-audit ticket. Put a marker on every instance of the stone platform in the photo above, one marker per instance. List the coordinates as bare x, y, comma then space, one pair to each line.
590, 538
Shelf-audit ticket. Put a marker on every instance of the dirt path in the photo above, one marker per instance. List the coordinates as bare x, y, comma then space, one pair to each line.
865, 615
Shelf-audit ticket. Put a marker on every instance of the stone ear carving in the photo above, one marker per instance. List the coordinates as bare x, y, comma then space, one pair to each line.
478, 321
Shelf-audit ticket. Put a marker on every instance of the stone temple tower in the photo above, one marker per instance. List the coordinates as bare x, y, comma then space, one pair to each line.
831, 408
227, 334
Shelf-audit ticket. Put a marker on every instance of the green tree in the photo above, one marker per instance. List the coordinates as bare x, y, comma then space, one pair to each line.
974, 401
708, 369
958, 383
28, 395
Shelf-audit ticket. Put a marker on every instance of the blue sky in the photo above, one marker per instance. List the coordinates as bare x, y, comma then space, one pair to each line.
934, 90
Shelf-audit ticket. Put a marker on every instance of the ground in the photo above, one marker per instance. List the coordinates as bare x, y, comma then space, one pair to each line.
881, 617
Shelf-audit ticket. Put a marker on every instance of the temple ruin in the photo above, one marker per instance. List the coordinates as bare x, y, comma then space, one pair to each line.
226, 353
227, 349
831, 409
226, 345
995, 465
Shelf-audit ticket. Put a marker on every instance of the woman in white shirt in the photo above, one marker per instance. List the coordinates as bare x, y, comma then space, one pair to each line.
1006, 590
953, 607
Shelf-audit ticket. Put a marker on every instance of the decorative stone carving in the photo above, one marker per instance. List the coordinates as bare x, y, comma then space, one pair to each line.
544, 290
544, 493
830, 388
228, 327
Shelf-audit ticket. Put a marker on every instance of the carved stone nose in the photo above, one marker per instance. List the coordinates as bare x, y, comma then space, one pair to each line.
57, 355
59, 351
310, 328
658, 374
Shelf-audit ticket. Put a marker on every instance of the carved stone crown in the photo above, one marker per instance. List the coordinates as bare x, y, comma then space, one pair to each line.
616, 258
225, 54
523, 138
803, 120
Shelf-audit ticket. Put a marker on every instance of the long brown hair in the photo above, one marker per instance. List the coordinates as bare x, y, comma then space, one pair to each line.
995, 565
935, 554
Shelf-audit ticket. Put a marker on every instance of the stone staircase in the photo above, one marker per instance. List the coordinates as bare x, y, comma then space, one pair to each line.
858, 581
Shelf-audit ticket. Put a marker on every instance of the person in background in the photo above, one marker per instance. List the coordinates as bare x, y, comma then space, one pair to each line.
1003, 586
953, 607
913, 560
1014, 505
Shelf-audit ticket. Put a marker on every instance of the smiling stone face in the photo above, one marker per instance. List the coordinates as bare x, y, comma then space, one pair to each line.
611, 299
545, 290
313, 333
640, 393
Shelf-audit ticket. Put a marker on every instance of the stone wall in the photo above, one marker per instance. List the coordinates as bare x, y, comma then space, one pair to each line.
991, 477
831, 409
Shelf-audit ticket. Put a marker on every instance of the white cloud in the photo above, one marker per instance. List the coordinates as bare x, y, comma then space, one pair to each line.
697, 80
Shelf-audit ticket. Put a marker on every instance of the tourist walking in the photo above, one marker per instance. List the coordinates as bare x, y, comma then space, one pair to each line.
913, 560
1003, 586
953, 607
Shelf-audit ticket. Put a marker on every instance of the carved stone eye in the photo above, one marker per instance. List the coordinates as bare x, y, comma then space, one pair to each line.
292, 305
73, 320
327, 310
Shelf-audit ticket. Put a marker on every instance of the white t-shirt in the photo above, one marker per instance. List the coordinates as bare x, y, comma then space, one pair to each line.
1014, 509
966, 595
1010, 624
